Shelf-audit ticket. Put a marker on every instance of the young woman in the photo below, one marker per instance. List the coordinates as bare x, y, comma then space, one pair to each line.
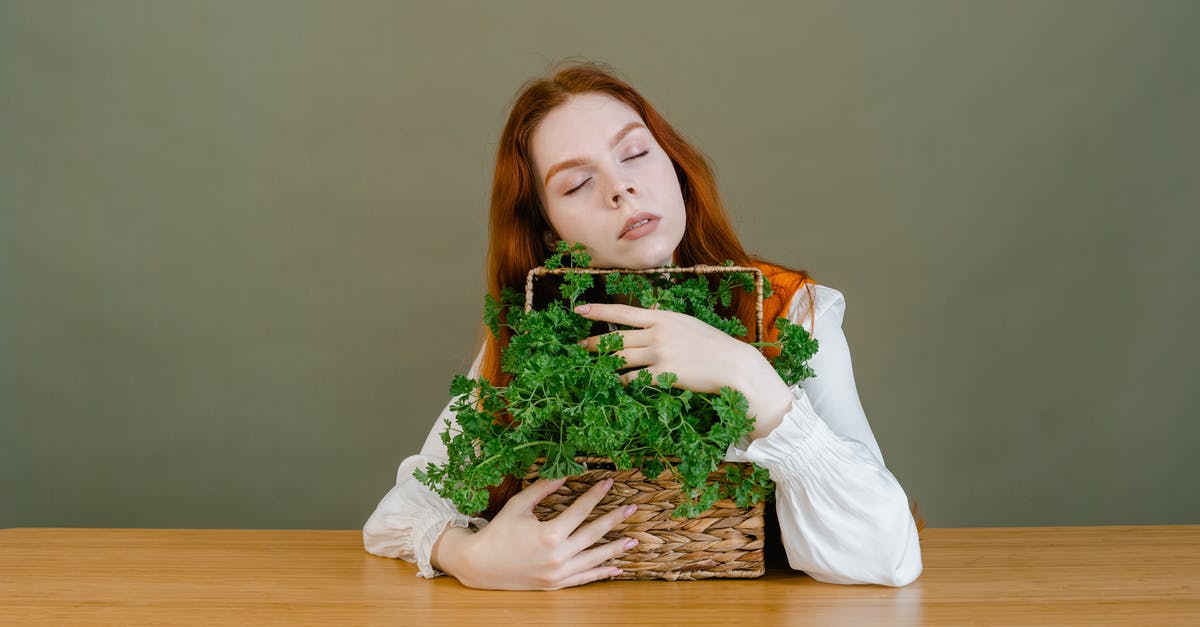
584, 158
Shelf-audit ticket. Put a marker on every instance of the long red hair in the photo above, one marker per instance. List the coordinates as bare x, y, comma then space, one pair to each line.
517, 224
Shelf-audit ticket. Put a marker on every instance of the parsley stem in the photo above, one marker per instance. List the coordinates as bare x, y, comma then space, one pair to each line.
515, 448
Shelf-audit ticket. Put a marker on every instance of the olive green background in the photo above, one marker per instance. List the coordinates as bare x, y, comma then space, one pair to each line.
242, 243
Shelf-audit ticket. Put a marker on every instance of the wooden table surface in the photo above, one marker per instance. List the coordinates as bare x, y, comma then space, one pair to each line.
1015, 576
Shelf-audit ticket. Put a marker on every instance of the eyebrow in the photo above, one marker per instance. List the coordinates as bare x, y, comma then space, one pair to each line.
574, 163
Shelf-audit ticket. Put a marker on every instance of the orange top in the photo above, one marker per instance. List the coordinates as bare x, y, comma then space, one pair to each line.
784, 283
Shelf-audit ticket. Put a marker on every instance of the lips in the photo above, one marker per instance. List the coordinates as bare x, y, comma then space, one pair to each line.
636, 222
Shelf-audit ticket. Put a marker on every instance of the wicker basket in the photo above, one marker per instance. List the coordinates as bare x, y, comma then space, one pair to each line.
723, 541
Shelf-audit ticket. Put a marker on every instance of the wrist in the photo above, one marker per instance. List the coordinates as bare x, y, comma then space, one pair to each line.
448, 550
768, 397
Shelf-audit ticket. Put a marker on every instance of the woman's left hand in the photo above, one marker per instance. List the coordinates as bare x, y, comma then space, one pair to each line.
702, 357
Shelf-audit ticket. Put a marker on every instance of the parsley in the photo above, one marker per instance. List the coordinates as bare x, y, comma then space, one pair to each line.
566, 402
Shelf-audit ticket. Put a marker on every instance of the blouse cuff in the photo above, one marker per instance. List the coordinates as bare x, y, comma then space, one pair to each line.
792, 446
429, 528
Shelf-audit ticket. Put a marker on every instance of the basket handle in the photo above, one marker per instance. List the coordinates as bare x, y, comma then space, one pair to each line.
696, 269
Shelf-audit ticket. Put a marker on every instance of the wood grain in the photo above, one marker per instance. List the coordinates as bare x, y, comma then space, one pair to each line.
1007, 576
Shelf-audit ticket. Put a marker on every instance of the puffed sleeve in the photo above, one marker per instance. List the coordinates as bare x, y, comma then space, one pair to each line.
411, 517
843, 517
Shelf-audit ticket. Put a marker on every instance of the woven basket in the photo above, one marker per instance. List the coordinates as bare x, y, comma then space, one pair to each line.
723, 541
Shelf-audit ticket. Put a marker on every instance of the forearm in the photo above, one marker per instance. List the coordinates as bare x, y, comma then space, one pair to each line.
843, 517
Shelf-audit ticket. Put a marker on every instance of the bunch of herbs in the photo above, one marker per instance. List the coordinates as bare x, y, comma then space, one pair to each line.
564, 401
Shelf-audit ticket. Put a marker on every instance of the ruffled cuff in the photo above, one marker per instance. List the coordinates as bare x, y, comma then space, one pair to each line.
409, 521
793, 445
426, 531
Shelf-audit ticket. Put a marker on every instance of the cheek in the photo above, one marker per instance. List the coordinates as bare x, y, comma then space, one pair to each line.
569, 222
665, 178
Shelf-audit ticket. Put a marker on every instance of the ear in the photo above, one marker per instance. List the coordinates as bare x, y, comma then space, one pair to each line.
550, 240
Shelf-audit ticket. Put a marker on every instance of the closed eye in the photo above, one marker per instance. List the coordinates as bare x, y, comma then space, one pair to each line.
574, 189
640, 154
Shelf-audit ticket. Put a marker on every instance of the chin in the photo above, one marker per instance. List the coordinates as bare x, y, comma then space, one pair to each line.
641, 256
644, 260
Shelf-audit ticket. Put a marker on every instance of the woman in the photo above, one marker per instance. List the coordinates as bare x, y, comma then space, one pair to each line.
584, 158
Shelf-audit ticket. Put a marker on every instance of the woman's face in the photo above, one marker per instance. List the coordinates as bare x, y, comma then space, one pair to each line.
606, 183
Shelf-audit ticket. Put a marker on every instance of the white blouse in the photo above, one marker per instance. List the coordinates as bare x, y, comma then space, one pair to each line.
843, 517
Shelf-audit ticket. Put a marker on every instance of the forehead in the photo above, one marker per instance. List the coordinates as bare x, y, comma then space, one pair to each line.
583, 124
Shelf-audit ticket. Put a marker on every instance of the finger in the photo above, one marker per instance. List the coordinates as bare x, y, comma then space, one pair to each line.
588, 576
592, 558
528, 498
579, 510
593, 343
637, 357
620, 314
633, 338
592, 532
636, 338
627, 377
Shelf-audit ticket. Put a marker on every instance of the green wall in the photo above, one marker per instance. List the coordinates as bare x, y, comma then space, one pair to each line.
241, 243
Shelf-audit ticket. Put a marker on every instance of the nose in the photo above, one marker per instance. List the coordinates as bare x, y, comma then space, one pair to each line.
622, 192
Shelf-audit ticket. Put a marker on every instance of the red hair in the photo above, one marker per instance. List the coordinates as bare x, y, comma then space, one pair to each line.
517, 223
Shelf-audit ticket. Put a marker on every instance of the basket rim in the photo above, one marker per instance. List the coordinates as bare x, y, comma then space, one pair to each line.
533, 470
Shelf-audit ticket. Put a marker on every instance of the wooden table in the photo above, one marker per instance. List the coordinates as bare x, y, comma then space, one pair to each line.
1016, 576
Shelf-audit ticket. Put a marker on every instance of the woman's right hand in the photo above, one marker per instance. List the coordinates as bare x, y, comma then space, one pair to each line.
516, 551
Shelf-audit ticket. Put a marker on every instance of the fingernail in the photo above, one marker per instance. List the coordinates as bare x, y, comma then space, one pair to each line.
617, 572
582, 309
629, 510
630, 543
608, 483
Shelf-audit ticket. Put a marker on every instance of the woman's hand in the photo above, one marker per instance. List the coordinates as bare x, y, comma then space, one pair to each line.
516, 551
702, 357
